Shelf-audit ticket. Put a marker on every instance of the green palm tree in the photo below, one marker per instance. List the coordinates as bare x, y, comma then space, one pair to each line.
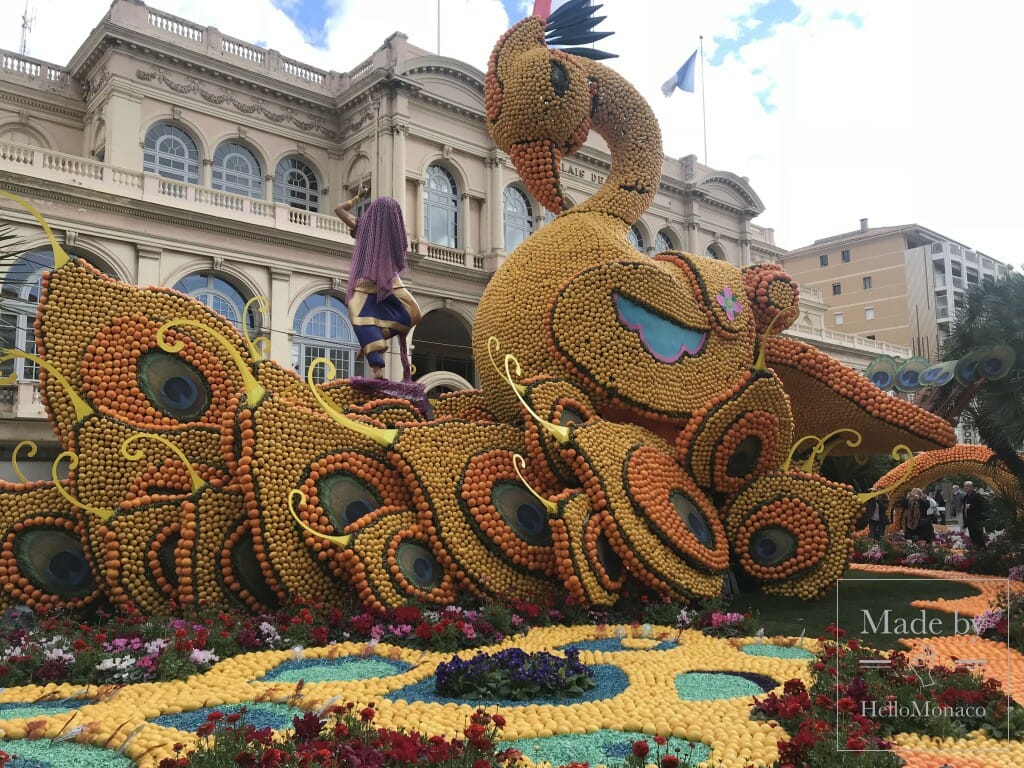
994, 314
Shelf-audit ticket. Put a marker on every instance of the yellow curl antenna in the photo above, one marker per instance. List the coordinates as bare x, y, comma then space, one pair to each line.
341, 541
827, 444
560, 433
519, 463
382, 437
195, 480
493, 347
259, 346
254, 391
102, 514
760, 364
82, 409
900, 453
14, 458
60, 256
795, 447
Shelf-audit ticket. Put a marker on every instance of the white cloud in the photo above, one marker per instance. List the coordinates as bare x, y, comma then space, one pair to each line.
905, 119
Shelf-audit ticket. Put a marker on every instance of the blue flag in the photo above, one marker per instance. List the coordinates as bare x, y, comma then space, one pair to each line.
683, 78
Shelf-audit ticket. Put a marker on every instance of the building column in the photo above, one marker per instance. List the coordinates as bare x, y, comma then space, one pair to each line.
466, 235
124, 130
398, 131
147, 264
280, 327
421, 227
334, 184
206, 178
690, 233
495, 205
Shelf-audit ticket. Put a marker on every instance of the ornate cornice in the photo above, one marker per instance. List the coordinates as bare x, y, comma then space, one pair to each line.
41, 105
193, 85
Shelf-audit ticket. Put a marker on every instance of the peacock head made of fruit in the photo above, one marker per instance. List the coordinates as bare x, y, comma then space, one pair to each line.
539, 100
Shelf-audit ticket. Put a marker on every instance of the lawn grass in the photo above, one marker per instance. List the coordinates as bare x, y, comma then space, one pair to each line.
859, 591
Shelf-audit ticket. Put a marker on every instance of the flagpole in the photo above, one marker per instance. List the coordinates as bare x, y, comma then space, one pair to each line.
703, 102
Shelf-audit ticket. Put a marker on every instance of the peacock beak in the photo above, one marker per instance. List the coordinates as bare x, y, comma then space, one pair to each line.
539, 164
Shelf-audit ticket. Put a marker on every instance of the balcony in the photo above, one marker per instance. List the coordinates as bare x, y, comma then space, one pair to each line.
35, 164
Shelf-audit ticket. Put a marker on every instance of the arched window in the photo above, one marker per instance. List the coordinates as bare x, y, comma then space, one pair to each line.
20, 293
296, 184
663, 242
236, 169
441, 218
220, 296
170, 152
322, 329
518, 218
636, 239
715, 251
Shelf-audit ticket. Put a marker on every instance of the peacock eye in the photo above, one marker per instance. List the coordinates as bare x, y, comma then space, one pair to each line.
772, 545
559, 78
346, 499
522, 513
419, 566
173, 386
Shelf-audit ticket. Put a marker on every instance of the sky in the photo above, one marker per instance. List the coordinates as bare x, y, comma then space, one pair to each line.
897, 111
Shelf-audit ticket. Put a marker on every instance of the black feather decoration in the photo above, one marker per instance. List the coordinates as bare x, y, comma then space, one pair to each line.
573, 24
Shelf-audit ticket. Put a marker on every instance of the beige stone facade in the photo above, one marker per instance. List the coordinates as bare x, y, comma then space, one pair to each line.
166, 153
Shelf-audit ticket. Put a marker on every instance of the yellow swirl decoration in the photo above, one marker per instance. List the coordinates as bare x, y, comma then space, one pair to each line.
494, 346
519, 464
254, 391
760, 364
195, 480
826, 447
14, 458
900, 453
341, 541
795, 447
82, 409
102, 514
382, 437
60, 256
259, 346
560, 433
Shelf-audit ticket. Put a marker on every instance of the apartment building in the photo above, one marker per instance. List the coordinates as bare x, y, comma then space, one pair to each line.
900, 284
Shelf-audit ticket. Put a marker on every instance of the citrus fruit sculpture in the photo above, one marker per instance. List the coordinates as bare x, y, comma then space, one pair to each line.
635, 421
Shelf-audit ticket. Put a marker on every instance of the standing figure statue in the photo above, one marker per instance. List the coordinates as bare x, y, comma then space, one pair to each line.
379, 306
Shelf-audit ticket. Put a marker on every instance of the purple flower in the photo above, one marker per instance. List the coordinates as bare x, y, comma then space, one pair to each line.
729, 303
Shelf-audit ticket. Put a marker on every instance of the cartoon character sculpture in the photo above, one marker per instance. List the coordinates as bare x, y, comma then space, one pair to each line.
634, 423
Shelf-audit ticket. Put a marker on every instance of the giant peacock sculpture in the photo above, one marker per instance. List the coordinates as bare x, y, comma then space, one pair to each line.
635, 421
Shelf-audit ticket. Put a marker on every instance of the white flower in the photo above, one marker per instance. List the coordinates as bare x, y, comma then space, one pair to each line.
298, 652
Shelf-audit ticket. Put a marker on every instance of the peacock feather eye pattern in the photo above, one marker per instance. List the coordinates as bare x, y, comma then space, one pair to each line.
792, 532
44, 552
738, 436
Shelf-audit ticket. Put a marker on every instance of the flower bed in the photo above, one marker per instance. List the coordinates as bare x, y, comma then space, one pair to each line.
514, 675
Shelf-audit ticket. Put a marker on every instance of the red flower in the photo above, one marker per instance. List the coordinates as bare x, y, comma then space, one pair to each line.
367, 714
245, 759
481, 763
641, 749
661, 741
846, 704
670, 761
499, 721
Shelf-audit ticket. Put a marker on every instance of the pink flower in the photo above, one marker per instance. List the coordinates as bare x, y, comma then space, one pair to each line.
729, 303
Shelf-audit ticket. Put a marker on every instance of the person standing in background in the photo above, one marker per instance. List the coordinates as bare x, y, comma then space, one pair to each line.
975, 511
